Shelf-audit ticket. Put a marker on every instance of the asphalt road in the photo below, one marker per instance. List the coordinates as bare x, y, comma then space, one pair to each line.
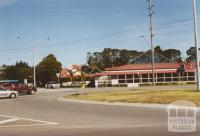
44, 115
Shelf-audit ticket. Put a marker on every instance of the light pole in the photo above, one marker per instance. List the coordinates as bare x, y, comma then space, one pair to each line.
196, 43
34, 71
150, 12
34, 68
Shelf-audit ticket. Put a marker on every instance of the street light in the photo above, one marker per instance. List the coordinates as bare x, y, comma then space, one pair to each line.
145, 40
34, 67
34, 71
196, 43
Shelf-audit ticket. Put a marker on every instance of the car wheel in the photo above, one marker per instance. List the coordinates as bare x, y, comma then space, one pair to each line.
12, 96
32, 92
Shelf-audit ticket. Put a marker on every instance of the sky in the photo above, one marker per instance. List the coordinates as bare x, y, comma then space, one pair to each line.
71, 28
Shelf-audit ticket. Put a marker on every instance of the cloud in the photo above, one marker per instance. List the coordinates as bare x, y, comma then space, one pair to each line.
6, 2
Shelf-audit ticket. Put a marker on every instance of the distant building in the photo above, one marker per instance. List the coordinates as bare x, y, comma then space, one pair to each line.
74, 76
72, 70
135, 73
142, 73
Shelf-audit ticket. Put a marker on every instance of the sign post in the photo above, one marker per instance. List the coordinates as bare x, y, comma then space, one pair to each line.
58, 76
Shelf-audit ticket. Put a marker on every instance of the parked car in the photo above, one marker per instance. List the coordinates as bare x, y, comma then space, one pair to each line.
52, 85
20, 88
4, 93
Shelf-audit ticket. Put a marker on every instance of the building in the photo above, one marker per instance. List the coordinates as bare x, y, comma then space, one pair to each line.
142, 73
74, 75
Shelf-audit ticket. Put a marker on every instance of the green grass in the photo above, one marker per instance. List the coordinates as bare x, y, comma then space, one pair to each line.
156, 97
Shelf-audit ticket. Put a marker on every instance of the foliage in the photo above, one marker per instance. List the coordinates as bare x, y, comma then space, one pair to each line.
46, 70
110, 57
19, 71
191, 55
86, 69
116, 57
173, 54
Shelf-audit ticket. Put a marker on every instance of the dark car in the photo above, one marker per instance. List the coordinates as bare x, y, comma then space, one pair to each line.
21, 88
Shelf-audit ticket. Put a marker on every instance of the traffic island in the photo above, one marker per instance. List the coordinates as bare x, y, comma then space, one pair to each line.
140, 96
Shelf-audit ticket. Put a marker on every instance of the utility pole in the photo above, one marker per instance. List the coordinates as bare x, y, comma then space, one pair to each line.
34, 72
150, 14
196, 43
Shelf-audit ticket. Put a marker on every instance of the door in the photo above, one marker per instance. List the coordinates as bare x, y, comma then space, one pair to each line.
4, 93
21, 88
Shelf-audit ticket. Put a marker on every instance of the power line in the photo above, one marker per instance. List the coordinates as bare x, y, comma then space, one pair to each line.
15, 49
99, 37
75, 41
94, 38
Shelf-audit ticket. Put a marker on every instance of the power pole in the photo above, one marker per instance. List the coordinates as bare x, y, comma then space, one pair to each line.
150, 14
196, 43
34, 71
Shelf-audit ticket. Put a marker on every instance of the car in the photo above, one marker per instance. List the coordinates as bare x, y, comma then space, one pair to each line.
20, 88
4, 93
52, 85
25, 89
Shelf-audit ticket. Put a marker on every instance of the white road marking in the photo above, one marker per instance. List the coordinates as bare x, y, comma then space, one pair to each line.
12, 119
8, 120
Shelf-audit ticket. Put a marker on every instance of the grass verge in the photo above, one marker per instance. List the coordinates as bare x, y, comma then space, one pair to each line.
140, 96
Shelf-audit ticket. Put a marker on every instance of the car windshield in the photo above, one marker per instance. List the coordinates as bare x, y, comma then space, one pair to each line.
52, 82
1, 89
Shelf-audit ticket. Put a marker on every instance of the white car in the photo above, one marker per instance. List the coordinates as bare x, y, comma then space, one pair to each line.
52, 85
8, 93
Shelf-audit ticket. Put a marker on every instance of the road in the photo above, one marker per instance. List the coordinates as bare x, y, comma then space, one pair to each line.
44, 115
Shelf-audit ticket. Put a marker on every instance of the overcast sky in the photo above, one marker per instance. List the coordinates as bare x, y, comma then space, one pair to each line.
71, 28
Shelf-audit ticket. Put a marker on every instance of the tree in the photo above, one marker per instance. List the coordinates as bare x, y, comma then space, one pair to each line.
107, 58
20, 71
46, 70
98, 61
94, 61
191, 54
173, 54
158, 50
24, 71
127, 56
180, 71
86, 69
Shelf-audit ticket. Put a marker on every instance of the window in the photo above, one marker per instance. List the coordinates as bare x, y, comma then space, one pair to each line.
1, 89
121, 81
129, 81
121, 76
129, 76
145, 76
114, 77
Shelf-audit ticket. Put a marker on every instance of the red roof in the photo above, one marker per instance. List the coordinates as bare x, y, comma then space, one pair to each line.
135, 69
64, 73
144, 66
108, 73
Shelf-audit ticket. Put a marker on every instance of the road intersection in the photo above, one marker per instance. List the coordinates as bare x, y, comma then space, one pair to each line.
44, 115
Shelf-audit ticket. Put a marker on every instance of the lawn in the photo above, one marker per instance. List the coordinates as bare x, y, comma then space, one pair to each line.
141, 96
